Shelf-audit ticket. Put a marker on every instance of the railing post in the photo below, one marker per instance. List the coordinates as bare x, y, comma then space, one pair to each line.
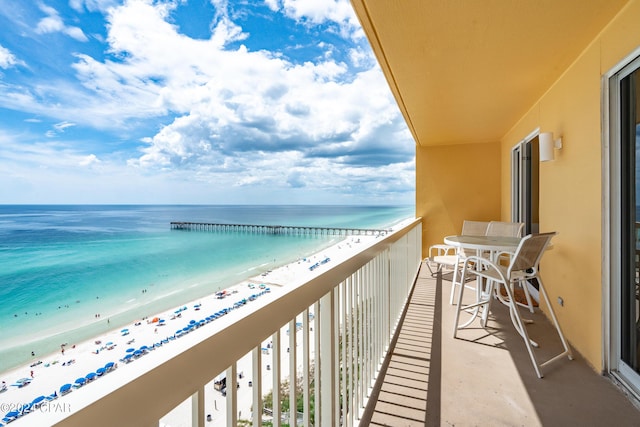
293, 374
316, 371
197, 408
327, 363
232, 394
306, 395
256, 379
277, 405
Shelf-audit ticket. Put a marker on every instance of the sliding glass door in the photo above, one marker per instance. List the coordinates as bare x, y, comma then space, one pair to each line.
524, 184
625, 220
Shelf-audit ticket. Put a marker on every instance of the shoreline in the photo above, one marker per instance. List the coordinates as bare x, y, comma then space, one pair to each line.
81, 329
89, 355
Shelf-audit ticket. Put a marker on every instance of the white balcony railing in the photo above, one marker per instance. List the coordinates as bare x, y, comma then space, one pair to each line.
347, 316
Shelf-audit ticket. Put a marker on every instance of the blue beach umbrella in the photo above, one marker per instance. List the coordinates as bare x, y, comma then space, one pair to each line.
100, 371
191, 322
81, 380
65, 387
12, 414
90, 376
131, 350
109, 365
38, 400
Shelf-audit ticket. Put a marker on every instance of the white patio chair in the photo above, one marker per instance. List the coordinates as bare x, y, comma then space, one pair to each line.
510, 229
442, 255
500, 228
523, 266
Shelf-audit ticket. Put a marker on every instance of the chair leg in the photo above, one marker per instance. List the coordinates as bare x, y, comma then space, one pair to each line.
433, 273
456, 268
520, 327
527, 295
460, 295
480, 301
567, 350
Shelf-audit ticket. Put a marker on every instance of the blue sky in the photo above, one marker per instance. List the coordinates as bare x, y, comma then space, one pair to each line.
196, 101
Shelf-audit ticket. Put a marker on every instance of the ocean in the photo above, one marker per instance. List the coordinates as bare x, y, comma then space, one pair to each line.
69, 273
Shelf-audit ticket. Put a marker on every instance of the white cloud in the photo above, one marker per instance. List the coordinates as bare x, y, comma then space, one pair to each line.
53, 23
7, 59
339, 11
89, 160
60, 127
236, 118
92, 5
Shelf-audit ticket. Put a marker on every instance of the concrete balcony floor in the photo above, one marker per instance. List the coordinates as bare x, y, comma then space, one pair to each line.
485, 377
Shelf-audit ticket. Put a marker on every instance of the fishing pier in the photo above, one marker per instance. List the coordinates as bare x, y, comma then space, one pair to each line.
277, 229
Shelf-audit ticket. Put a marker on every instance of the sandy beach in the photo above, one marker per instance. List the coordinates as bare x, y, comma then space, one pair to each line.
77, 360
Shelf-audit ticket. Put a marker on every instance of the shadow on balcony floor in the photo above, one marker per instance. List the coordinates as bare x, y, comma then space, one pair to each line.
485, 377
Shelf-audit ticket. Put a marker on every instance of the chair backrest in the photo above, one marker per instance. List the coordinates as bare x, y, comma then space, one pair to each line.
510, 229
474, 228
530, 251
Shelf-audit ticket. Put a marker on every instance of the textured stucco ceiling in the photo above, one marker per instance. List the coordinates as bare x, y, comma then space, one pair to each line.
466, 71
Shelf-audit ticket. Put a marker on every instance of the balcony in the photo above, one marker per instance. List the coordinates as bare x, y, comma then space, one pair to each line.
485, 377
374, 347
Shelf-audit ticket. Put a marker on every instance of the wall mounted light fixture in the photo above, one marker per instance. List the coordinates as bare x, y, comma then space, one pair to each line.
547, 144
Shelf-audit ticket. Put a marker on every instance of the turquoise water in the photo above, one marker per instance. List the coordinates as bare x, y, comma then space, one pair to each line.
68, 273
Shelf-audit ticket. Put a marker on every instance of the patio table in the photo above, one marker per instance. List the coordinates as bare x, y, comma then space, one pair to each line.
482, 244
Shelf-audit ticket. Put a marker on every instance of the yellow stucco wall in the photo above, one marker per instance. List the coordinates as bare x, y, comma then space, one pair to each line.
571, 193
454, 183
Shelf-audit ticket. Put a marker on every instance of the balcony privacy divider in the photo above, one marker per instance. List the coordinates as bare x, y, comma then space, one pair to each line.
347, 314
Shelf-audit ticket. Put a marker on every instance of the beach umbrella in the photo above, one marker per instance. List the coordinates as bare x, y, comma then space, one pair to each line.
37, 400
191, 322
131, 350
65, 387
161, 321
90, 376
12, 414
109, 365
81, 380
109, 343
100, 371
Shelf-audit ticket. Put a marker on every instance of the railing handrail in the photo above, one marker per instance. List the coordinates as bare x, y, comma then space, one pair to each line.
139, 394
